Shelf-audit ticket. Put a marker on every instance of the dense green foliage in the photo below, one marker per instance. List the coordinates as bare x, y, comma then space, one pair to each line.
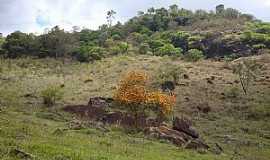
194, 55
173, 31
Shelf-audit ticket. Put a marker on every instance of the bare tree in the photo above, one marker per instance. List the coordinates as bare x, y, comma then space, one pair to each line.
247, 71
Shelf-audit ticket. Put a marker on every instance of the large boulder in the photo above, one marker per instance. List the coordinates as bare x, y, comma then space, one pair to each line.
184, 125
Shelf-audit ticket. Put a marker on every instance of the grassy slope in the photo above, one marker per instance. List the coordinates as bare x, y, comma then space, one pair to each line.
240, 125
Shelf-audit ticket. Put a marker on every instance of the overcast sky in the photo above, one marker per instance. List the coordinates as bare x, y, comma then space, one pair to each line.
36, 15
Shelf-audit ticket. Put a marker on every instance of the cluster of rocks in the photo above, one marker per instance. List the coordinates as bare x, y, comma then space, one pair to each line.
181, 133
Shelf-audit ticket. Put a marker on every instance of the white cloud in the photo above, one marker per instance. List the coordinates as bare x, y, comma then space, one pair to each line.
267, 3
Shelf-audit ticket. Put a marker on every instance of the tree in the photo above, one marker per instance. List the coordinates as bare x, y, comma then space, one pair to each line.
57, 43
151, 10
2, 40
110, 17
86, 53
220, 9
231, 13
173, 10
18, 44
246, 71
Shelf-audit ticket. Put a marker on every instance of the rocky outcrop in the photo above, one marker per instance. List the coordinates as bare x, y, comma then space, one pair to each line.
184, 125
181, 134
176, 137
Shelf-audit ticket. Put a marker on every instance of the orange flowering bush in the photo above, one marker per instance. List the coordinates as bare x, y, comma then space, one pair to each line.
163, 101
132, 88
133, 93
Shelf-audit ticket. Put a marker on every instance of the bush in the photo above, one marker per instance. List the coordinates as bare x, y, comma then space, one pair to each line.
156, 44
90, 53
144, 48
119, 48
116, 37
51, 94
180, 39
168, 49
258, 46
194, 55
133, 93
169, 73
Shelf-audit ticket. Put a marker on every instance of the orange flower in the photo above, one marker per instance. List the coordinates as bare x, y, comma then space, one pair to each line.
132, 90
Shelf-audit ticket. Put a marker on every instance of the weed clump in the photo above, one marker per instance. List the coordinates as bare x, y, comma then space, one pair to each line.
51, 94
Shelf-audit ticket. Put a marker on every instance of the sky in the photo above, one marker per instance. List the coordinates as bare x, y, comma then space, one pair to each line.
36, 15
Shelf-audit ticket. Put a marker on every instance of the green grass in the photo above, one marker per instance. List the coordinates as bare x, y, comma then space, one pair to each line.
36, 136
240, 125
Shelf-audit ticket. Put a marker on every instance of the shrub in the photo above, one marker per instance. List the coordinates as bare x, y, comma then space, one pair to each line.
258, 46
51, 94
169, 72
164, 104
90, 53
233, 92
134, 94
123, 47
116, 37
144, 48
156, 44
180, 39
168, 49
194, 55
119, 48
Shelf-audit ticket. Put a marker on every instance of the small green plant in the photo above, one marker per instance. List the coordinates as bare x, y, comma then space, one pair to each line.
51, 94
144, 48
194, 55
233, 92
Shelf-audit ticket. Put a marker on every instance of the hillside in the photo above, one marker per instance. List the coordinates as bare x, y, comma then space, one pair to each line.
174, 31
208, 92
169, 83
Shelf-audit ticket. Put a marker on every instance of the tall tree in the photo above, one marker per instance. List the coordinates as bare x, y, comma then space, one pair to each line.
110, 17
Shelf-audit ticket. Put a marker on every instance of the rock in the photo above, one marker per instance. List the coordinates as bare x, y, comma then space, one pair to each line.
178, 138
76, 125
209, 81
167, 86
187, 99
99, 102
186, 76
205, 108
237, 81
113, 117
184, 125
196, 144
84, 111
165, 133
21, 154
